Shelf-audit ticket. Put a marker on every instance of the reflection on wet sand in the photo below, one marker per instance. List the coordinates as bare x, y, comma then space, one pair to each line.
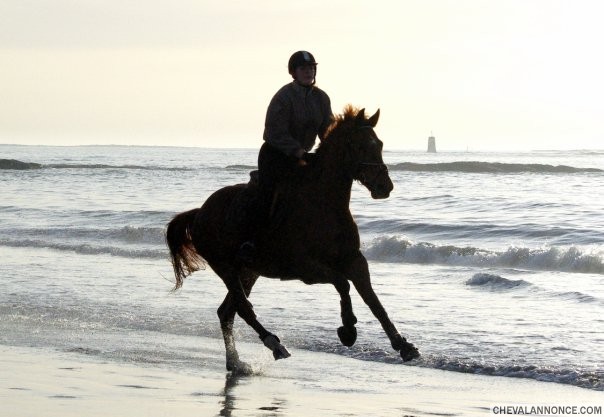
229, 404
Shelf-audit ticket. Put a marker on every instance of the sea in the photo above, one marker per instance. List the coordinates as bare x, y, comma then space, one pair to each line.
491, 263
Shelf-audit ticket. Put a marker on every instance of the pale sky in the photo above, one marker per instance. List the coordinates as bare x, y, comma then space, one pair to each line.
479, 74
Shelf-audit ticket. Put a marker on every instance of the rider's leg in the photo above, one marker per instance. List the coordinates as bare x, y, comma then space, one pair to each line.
273, 166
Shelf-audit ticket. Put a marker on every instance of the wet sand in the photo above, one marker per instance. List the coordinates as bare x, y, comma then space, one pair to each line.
36, 382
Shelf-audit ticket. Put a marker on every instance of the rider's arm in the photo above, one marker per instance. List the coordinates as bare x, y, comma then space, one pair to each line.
327, 115
277, 127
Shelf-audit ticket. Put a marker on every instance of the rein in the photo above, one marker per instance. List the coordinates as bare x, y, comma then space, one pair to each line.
377, 164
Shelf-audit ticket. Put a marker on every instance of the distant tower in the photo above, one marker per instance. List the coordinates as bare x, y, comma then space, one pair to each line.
431, 144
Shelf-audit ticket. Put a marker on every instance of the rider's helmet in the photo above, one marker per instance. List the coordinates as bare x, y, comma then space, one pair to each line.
298, 59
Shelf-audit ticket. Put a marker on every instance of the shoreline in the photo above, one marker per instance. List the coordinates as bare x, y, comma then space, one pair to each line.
36, 381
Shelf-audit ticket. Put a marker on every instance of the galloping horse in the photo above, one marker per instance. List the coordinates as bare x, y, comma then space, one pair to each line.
312, 238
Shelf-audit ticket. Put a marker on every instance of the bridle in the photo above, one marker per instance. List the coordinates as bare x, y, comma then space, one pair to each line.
377, 164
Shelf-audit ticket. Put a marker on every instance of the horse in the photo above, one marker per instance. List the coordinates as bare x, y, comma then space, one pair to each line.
312, 236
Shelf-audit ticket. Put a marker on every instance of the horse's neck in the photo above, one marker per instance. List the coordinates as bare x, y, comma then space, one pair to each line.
331, 181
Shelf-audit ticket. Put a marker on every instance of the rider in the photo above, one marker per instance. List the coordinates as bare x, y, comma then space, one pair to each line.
296, 115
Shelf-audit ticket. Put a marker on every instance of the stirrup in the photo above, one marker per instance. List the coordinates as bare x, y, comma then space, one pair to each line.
246, 252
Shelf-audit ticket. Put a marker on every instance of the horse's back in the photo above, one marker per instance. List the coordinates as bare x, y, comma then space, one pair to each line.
223, 197
219, 220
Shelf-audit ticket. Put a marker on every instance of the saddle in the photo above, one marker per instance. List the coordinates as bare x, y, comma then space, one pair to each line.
244, 216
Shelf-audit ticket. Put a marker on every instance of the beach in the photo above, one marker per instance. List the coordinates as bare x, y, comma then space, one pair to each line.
490, 263
39, 382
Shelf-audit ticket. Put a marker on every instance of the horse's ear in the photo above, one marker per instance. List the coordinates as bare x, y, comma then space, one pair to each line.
374, 119
361, 115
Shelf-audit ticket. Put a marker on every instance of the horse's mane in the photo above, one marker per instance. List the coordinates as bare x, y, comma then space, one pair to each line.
338, 134
343, 122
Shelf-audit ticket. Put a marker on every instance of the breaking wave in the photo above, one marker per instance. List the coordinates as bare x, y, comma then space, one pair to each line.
572, 259
149, 242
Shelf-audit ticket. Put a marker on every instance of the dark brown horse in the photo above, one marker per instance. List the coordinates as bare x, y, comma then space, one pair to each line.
312, 238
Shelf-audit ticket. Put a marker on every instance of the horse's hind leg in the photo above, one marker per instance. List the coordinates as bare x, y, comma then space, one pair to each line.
347, 333
240, 304
226, 314
359, 275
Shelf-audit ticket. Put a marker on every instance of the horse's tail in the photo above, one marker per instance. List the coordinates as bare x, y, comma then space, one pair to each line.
185, 259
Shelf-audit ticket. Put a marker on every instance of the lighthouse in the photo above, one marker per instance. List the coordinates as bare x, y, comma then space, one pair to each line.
431, 144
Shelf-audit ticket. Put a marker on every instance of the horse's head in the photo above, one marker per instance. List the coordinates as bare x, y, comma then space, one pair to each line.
366, 154
353, 142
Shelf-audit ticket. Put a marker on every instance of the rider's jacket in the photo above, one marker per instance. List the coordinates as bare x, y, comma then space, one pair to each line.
295, 116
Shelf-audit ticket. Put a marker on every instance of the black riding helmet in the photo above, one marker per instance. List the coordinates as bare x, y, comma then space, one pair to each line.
298, 59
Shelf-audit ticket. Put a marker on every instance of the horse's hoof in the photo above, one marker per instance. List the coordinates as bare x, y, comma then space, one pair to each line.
273, 343
239, 368
347, 335
409, 352
281, 353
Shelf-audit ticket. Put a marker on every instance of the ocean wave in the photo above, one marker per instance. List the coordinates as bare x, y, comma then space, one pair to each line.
106, 166
89, 249
473, 229
76, 219
583, 378
134, 234
495, 281
241, 167
20, 165
579, 378
122, 241
580, 297
458, 166
489, 167
572, 259
97, 315
126, 234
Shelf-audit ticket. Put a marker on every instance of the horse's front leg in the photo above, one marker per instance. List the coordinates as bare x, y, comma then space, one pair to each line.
347, 333
316, 272
358, 273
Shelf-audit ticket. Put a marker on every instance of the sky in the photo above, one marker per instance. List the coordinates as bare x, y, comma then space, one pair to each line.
480, 75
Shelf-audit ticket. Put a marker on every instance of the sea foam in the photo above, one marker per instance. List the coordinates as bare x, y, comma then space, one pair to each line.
571, 259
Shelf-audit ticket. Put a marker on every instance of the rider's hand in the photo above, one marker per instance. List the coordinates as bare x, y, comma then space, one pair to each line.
300, 155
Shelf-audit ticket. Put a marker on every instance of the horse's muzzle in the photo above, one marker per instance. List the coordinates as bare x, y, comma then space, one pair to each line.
375, 177
381, 191
378, 195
